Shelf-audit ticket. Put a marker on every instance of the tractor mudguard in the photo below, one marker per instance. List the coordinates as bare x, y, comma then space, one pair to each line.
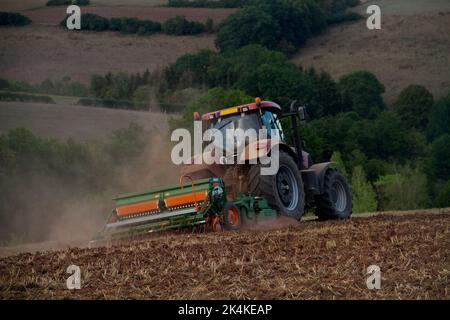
321, 169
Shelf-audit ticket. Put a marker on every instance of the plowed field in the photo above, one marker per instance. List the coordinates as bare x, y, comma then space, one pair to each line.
309, 260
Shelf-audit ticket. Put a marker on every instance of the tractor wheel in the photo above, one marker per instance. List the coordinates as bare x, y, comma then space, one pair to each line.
231, 217
284, 190
336, 201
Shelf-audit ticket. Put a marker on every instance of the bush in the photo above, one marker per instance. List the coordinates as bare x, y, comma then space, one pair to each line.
24, 97
110, 103
361, 92
209, 25
214, 99
364, 197
51, 3
440, 157
405, 190
341, 17
179, 26
413, 105
443, 198
207, 3
13, 19
439, 118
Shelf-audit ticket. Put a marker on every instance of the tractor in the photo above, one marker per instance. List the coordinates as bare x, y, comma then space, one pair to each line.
299, 184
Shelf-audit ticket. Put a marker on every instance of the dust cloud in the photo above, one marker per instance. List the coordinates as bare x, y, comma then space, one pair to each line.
56, 213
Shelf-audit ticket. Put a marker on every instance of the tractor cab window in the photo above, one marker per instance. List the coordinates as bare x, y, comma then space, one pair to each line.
272, 124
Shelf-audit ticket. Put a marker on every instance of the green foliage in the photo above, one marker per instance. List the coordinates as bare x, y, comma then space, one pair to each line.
207, 3
117, 86
406, 189
134, 25
190, 70
64, 87
361, 92
439, 118
209, 25
126, 143
413, 105
339, 163
342, 16
251, 25
13, 19
52, 3
283, 25
440, 157
272, 24
214, 99
179, 26
25, 97
364, 197
443, 198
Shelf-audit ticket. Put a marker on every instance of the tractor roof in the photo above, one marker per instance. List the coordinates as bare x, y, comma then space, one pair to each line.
257, 105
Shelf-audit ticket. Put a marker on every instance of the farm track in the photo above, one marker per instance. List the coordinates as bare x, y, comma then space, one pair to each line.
311, 260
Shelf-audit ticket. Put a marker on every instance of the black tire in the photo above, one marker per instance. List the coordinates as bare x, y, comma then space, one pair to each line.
231, 217
336, 201
277, 193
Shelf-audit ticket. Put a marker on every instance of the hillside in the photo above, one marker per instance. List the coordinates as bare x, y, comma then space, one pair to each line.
411, 47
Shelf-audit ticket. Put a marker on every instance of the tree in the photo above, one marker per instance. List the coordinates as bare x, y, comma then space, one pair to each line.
443, 198
364, 197
440, 155
439, 118
214, 99
413, 105
406, 189
339, 163
250, 25
361, 92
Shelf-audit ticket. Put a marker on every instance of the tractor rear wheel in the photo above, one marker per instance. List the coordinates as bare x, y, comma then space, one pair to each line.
336, 201
284, 190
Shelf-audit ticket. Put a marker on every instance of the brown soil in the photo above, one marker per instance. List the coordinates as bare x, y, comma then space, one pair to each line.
311, 260
409, 49
35, 52
76, 122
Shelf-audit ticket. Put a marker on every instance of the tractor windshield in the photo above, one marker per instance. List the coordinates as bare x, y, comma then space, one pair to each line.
231, 123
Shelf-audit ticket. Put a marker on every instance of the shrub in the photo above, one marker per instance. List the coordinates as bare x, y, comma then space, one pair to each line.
13, 19
413, 105
439, 118
251, 25
209, 25
179, 26
443, 198
361, 92
404, 190
364, 196
340, 17
51, 3
215, 98
90, 22
440, 155
207, 3
25, 97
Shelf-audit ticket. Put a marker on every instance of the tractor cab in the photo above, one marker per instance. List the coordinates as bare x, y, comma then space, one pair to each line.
258, 115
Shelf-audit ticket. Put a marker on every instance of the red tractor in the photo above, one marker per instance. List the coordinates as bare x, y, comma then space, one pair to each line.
298, 185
